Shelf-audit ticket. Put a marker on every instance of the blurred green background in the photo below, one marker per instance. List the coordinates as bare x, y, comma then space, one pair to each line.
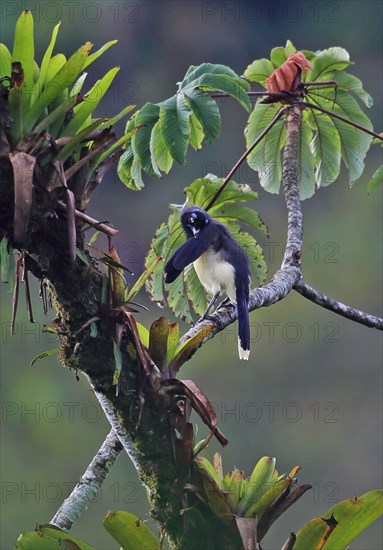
311, 394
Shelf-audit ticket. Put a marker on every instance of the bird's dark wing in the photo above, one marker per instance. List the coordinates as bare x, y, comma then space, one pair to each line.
186, 254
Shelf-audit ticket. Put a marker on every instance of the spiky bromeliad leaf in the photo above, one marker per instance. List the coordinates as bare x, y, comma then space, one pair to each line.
324, 140
24, 50
186, 293
190, 117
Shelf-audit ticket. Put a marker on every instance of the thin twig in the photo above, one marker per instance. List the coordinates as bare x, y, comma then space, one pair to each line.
244, 156
110, 231
338, 307
343, 119
87, 488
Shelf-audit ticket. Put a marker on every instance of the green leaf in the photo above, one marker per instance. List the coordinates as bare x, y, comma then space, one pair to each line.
205, 466
129, 531
376, 180
58, 113
270, 492
60, 82
278, 56
5, 61
289, 48
353, 515
185, 350
206, 112
354, 142
43, 355
159, 152
313, 535
325, 146
24, 49
173, 339
7, 262
99, 52
332, 59
346, 82
266, 156
145, 118
259, 70
175, 126
90, 103
260, 478
49, 538
226, 213
143, 334
196, 132
233, 86
117, 362
305, 164
76, 142
142, 279
195, 72
77, 86
45, 64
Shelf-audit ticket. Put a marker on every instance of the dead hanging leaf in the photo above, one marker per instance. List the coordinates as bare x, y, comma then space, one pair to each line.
71, 220
288, 77
23, 167
200, 404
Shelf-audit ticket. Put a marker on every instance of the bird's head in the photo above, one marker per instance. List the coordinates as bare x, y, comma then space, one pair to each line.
194, 219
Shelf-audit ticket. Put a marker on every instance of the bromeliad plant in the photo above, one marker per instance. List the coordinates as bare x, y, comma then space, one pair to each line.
58, 151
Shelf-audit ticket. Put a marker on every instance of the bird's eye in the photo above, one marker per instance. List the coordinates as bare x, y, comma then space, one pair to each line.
191, 220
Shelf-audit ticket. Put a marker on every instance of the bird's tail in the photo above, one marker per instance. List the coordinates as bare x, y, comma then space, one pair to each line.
243, 325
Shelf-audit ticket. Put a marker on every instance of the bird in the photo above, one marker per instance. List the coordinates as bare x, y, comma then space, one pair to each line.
221, 264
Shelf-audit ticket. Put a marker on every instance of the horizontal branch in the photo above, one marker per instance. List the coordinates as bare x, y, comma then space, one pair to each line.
283, 282
90, 483
338, 307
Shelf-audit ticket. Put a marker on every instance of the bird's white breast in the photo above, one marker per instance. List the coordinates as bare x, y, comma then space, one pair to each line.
215, 274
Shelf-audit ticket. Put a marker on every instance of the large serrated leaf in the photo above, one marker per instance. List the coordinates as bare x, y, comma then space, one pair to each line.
259, 70
325, 61
145, 119
206, 111
326, 149
354, 142
305, 164
175, 126
266, 156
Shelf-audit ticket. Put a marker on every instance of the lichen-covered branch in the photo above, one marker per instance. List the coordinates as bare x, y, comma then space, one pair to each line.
338, 307
90, 483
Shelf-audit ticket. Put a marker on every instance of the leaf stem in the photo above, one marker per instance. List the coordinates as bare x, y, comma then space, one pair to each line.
244, 156
343, 119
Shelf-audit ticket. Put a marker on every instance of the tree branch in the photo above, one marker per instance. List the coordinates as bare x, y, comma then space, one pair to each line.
88, 486
338, 307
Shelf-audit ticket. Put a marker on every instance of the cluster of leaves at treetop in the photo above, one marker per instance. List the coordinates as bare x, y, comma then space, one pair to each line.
191, 117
